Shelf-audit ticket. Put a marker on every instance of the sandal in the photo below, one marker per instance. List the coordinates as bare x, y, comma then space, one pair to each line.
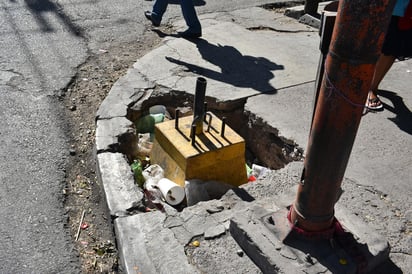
373, 103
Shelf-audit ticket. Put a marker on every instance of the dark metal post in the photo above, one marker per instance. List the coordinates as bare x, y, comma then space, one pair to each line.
355, 46
311, 7
199, 104
327, 23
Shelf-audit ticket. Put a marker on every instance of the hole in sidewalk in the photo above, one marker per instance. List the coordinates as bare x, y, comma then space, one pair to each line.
281, 6
264, 146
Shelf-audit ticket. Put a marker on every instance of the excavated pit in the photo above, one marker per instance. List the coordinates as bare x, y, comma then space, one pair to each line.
264, 146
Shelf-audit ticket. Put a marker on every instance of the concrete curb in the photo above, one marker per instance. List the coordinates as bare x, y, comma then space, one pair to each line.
122, 194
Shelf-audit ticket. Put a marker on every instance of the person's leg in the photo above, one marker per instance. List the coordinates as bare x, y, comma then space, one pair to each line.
190, 16
382, 67
155, 16
159, 8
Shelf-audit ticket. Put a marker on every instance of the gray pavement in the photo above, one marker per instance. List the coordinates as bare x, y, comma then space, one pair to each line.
41, 49
268, 62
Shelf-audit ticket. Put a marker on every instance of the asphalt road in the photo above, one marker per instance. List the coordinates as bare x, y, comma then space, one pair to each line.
40, 51
42, 44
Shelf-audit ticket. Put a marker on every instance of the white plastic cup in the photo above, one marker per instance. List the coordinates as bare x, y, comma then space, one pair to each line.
172, 192
259, 171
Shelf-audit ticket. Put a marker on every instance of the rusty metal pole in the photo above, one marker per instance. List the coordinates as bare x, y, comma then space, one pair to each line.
355, 46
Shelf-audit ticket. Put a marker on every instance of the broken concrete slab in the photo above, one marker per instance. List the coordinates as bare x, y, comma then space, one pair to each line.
129, 89
116, 135
374, 247
142, 238
214, 231
122, 194
269, 240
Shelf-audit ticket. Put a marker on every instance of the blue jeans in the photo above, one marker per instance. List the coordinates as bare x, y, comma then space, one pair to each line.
188, 11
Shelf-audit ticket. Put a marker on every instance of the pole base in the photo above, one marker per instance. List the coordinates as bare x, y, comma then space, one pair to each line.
275, 247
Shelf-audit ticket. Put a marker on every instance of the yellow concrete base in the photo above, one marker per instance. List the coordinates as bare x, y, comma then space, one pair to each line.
213, 157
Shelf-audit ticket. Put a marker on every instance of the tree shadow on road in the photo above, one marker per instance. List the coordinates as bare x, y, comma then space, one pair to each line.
403, 118
39, 7
234, 68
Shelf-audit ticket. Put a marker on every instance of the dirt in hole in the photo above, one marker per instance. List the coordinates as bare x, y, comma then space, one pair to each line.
282, 6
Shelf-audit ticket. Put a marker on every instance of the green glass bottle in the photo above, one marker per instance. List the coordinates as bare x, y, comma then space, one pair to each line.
137, 171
